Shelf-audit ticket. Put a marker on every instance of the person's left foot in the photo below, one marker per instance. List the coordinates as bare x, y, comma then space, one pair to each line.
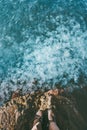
38, 117
39, 112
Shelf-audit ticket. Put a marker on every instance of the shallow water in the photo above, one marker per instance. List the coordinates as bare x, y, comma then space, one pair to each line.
44, 40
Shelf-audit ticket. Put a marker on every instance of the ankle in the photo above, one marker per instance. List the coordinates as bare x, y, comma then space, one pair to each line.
50, 115
39, 113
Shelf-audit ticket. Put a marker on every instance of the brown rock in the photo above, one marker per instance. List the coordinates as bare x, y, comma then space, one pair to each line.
70, 111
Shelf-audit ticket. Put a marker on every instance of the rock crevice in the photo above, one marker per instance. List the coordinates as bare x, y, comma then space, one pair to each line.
70, 111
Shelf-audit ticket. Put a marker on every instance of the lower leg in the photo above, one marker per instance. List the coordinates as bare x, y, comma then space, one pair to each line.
52, 123
37, 126
37, 121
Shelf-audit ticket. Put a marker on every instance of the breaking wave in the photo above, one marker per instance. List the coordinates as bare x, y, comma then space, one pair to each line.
44, 40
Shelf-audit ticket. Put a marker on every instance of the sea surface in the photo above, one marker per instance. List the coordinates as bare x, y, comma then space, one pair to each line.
42, 42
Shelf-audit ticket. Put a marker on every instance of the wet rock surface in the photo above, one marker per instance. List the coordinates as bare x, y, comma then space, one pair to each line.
70, 110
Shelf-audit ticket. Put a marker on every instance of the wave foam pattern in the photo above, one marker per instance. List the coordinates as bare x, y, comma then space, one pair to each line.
42, 39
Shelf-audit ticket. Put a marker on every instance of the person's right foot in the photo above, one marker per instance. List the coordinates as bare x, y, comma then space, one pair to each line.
50, 115
55, 92
50, 112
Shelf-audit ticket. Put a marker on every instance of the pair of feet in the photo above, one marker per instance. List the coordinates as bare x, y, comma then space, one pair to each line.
46, 103
49, 109
37, 124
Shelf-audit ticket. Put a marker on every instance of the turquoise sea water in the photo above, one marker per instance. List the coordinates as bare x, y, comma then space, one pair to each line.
44, 40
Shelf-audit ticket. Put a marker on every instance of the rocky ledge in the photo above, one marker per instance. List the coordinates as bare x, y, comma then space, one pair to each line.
70, 110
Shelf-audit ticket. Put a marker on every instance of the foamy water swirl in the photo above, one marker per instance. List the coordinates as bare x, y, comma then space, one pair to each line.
46, 40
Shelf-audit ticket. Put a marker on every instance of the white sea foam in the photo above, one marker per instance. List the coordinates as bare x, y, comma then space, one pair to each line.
41, 42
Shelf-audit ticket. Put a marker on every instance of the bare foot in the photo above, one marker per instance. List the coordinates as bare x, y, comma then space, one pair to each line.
39, 112
55, 92
38, 117
50, 112
50, 115
49, 103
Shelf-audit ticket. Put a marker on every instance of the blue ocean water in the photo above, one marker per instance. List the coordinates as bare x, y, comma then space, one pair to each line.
44, 40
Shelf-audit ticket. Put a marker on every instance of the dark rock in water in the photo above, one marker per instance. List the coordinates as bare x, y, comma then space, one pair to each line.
70, 110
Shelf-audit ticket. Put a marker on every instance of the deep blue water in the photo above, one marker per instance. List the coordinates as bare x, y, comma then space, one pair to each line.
42, 39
